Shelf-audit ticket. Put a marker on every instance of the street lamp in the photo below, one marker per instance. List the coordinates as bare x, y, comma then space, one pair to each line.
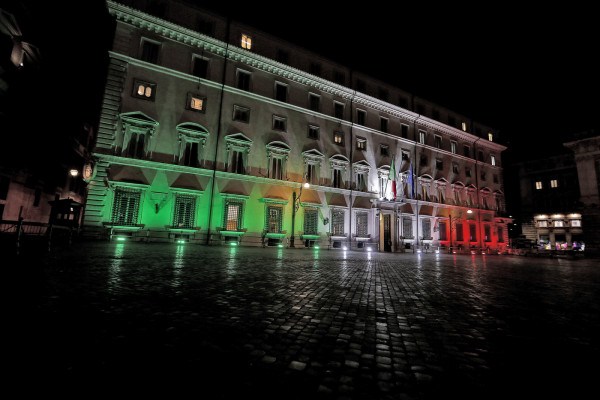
296, 206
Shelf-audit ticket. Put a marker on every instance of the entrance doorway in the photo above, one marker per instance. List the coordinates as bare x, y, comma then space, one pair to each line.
387, 232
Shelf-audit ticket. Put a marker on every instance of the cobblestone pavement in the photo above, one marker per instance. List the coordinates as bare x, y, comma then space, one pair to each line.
191, 321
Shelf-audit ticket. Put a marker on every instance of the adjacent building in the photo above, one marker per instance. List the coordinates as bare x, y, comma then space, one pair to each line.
214, 132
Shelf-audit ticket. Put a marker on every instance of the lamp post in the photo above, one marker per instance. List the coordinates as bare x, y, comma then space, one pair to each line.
296, 206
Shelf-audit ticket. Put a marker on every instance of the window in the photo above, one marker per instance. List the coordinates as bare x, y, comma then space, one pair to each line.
464, 126
487, 233
480, 155
553, 183
144, 90
426, 225
405, 156
126, 206
246, 41
404, 131
500, 231
192, 139
442, 230
453, 147
362, 226
361, 117
385, 150
274, 219
243, 80
237, 146
314, 69
495, 178
338, 181
483, 176
191, 154
361, 144
311, 220
493, 159
558, 224
277, 153
384, 124
490, 136
438, 141
338, 109
339, 77
467, 151
281, 91
472, 232
237, 162
276, 168
423, 160
422, 136
137, 131
279, 123
150, 51
313, 132
576, 223
184, 211
338, 138
407, 228
337, 222
232, 216
468, 172
538, 185
455, 168
312, 174
361, 181
200, 68
542, 224
195, 102
383, 94
314, 102
459, 232
439, 165
241, 114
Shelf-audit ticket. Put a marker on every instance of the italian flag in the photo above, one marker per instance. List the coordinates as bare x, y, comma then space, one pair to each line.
393, 177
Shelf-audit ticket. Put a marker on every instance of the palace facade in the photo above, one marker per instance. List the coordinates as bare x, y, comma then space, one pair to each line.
214, 132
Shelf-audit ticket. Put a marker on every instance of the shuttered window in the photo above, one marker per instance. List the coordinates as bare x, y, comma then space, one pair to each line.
232, 218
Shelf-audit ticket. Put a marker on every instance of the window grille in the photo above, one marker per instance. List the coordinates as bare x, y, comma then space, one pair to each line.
310, 222
500, 234
407, 228
232, 218
459, 232
274, 219
185, 209
362, 228
426, 229
487, 233
126, 206
443, 231
473, 232
337, 224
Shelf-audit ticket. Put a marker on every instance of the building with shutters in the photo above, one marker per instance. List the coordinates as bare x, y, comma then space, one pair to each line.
214, 132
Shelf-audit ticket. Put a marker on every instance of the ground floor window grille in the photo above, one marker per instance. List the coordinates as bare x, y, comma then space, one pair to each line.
232, 218
184, 213
310, 222
426, 225
407, 228
500, 234
337, 223
487, 233
126, 206
274, 219
362, 228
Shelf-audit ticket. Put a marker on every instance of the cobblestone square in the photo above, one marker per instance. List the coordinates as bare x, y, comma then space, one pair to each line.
195, 321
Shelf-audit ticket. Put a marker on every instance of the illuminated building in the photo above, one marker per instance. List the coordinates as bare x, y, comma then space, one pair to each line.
209, 128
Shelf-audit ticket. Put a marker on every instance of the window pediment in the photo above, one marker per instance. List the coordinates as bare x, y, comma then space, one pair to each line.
192, 130
138, 120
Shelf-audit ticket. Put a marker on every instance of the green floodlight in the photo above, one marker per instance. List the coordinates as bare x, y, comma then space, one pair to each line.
181, 241
121, 238
233, 244
316, 247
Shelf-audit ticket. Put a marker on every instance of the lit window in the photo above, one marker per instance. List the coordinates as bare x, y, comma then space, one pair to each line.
576, 222
195, 103
144, 90
246, 42
554, 183
558, 224
538, 185
361, 144
337, 223
453, 147
422, 137
338, 138
232, 217
543, 224
493, 160
464, 126
491, 137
